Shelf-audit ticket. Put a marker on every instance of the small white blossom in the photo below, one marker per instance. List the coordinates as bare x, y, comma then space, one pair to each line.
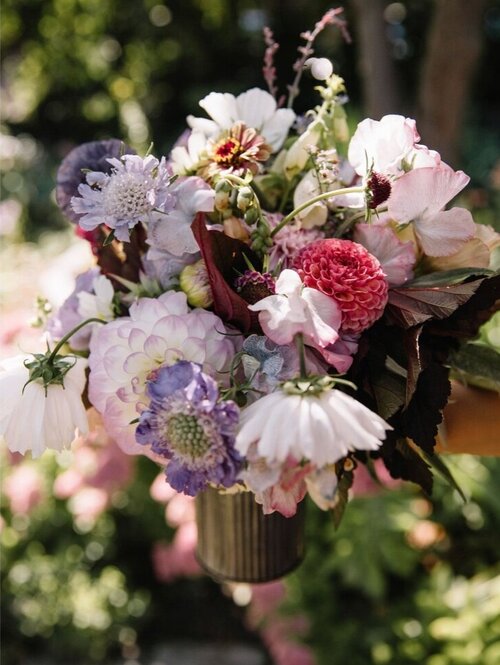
35, 418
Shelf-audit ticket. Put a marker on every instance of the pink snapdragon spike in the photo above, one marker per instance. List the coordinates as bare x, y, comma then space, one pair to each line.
298, 309
396, 258
382, 145
420, 196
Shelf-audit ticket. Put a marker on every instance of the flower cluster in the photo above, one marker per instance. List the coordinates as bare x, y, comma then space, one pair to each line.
266, 299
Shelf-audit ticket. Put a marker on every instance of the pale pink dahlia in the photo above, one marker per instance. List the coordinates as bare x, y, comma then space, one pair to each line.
350, 275
125, 352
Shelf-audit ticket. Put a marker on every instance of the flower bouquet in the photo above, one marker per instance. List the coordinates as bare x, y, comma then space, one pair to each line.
272, 305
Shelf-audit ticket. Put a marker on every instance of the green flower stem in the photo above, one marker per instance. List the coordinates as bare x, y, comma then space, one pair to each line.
315, 199
299, 341
68, 336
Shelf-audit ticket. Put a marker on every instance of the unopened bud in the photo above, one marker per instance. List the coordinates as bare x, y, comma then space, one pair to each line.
321, 68
194, 282
245, 198
251, 216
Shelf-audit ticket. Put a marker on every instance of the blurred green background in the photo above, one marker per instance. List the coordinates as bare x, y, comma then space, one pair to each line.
405, 579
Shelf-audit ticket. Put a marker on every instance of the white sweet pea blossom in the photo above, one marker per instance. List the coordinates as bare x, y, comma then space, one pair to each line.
296, 308
298, 154
99, 304
419, 196
315, 214
255, 108
321, 428
172, 232
35, 418
382, 145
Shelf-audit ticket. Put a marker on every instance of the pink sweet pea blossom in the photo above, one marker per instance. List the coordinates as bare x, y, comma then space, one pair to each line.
295, 309
396, 258
419, 196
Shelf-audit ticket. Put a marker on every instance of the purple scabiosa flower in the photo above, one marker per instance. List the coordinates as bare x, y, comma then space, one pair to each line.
186, 424
136, 190
71, 174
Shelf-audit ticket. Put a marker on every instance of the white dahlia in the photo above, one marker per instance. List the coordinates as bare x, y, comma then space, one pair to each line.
125, 352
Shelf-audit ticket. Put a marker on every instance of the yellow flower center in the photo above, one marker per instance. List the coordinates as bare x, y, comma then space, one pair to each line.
226, 150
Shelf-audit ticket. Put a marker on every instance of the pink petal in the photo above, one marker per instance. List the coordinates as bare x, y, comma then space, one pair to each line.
424, 192
446, 232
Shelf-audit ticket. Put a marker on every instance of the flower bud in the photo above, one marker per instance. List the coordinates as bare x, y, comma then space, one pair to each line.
194, 282
321, 68
245, 198
251, 216
236, 228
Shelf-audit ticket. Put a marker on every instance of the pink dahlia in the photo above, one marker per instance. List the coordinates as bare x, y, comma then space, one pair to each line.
350, 275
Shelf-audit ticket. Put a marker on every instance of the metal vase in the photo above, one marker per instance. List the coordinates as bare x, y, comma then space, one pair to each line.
237, 542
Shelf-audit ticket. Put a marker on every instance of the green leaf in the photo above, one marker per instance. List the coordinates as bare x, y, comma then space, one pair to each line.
477, 364
437, 463
109, 239
342, 497
389, 390
448, 277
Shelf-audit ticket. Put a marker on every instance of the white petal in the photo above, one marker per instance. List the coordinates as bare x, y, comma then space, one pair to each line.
222, 107
255, 107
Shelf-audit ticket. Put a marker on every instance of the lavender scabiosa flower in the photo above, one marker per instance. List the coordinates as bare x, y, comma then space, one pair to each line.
189, 426
92, 156
135, 191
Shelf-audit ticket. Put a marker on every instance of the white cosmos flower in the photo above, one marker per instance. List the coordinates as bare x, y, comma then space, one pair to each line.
256, 108
320, 428
31, 420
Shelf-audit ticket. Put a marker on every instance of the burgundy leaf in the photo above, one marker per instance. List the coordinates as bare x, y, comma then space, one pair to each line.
410, 307
223, 257
414, 360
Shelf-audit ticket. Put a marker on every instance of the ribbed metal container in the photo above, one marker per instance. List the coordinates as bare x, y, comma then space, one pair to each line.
237, 542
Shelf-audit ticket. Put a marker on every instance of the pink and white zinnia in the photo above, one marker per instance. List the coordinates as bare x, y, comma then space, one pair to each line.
126, 351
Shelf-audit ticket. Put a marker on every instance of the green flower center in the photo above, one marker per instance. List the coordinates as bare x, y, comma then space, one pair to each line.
187, 436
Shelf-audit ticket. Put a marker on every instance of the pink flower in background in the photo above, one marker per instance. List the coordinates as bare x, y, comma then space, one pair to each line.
160, 490
23, 487
177, 559
420, 196
396, 258
88, 503
179, 510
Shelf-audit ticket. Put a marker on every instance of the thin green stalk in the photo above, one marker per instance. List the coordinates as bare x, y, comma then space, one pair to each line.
310, 202
68, 336
299, 341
